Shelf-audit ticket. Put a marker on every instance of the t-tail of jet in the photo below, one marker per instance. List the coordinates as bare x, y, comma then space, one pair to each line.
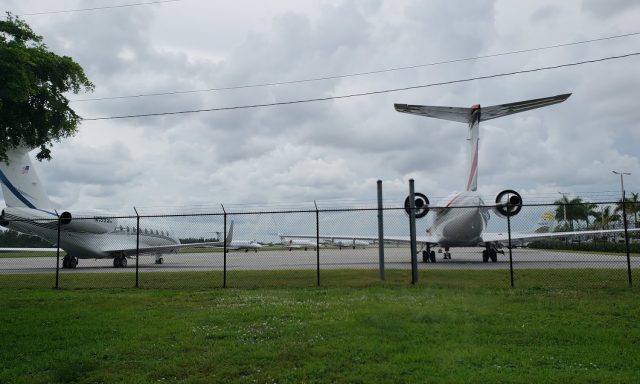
229, 238
21, 186
473, 116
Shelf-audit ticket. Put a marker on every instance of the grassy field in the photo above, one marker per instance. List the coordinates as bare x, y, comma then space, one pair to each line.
454, 326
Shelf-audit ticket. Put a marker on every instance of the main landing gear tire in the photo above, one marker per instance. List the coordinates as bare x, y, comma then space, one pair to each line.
120, 262
489, 254
159, 260
69, 262
428, 256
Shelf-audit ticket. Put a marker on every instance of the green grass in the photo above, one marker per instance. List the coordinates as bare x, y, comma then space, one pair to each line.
454, 326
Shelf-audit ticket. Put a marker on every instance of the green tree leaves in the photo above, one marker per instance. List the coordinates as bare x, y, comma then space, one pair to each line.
34, 111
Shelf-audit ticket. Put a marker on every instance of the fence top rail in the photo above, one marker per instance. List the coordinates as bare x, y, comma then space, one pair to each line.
90, 216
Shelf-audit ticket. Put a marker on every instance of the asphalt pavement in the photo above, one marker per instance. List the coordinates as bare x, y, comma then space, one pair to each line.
395, 257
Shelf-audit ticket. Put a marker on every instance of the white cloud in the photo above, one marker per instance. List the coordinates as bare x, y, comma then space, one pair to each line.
338, 149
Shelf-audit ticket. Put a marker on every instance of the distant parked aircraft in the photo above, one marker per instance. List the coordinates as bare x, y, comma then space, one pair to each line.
350, 243
461, 219
83, 234
298, 243
235, 245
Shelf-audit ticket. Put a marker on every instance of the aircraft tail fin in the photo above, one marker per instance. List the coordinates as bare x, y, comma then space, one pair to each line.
21, 186
472, 117
229, 237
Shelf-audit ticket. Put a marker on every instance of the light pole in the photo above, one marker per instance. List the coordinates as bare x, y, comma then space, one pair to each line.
622, 181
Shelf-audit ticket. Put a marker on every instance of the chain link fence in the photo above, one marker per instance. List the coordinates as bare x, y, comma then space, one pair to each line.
314, 247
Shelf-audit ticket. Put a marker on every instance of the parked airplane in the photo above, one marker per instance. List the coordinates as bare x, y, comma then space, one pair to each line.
83, 235
350, 243
298, 243
461, 219
238, 245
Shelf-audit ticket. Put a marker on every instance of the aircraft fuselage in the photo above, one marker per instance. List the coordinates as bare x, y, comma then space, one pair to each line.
83, 244
460, 220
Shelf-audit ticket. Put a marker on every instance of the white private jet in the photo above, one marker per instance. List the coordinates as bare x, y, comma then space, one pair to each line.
461, 219
350, 243
83, 235
298, 243
239, 245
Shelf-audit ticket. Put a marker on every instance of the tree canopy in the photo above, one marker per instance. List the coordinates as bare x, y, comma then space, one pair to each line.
33, 109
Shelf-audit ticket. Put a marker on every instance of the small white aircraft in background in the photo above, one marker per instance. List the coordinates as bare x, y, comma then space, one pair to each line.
350, 243
239, 245
83, 235
461, 219
298, 243
246, 245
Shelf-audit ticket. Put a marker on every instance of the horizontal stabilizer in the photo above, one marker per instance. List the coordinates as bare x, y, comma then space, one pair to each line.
460, 115
496, 111
464, 115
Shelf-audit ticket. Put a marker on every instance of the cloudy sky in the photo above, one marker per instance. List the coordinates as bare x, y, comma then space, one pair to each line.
337, 149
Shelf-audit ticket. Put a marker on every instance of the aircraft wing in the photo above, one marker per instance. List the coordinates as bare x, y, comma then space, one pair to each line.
401, 239
163, 248
28, 250
503, 237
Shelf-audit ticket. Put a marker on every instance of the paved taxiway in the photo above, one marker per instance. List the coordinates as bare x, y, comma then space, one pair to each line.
462, 258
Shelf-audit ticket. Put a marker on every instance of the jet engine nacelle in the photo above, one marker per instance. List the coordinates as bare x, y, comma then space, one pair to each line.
421, 204
87, 223
508, 203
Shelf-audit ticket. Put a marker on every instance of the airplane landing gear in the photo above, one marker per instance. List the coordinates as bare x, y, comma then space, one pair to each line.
428, 255
447, 254
69, 262
120, 261
159, 259
489, 253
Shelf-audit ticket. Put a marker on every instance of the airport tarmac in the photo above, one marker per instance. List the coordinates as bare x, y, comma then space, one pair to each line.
395, 257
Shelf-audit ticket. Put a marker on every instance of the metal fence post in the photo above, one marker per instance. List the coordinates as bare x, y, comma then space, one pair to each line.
58, 253
380, 232
317, 244
137, 244
412, 233
510, 252
626, 238
224, 249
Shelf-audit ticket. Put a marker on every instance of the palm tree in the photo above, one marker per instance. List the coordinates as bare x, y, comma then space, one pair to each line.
569, 210
589, 210
606, 218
